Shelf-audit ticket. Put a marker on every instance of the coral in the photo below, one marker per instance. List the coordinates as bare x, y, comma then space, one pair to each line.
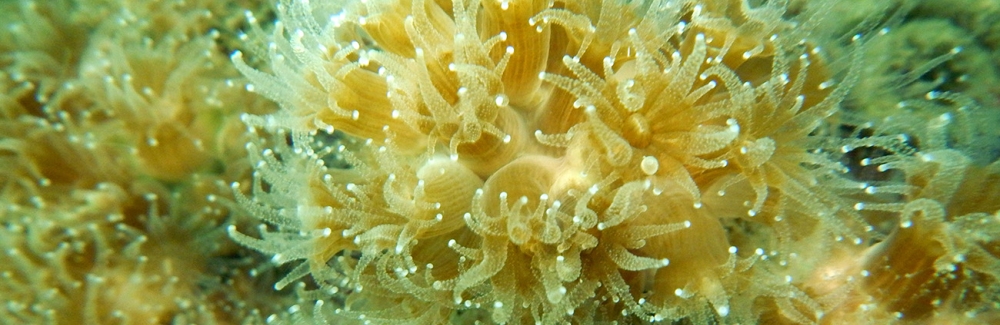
941, 257
501, 161
86, 263
113, 146
41, 45
519, 162
948, 74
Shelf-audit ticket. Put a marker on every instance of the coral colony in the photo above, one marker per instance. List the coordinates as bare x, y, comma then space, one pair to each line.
499, 162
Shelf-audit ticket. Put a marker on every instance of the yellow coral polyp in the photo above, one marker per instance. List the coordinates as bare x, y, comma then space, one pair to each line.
499, 162
557, 161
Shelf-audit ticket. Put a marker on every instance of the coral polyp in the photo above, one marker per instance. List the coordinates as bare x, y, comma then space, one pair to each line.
540, 161
499, 162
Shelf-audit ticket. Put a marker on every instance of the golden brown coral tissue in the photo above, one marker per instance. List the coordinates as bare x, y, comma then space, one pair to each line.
586, 161
498, 161
114, 166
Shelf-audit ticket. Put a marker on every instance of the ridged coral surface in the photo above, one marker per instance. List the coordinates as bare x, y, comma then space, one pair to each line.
497, 161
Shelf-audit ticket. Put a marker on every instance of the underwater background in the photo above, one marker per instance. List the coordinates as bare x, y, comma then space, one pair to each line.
499, 161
